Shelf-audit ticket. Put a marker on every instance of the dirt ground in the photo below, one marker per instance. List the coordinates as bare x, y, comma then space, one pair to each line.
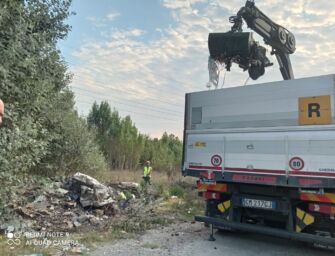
191, 239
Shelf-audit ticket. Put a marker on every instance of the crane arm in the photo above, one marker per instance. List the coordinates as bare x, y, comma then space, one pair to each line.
280, 39
240, 47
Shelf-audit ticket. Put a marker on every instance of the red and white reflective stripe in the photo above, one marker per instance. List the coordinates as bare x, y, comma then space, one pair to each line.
238, 169
253, 178
265, 171
203, 167
319, 174
305, 182
280, 172
210, 195
322, 208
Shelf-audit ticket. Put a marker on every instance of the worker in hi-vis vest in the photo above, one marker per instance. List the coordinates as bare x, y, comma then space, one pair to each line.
2, 110
147, 173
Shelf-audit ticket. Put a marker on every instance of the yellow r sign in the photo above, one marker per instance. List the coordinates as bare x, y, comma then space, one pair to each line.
315, 110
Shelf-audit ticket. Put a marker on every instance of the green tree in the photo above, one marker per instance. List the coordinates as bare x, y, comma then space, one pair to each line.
123, 145
40, 122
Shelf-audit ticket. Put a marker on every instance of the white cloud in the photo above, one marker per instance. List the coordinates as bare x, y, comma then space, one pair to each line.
96, 22
100, 22
112, 16
124, 34
176, 4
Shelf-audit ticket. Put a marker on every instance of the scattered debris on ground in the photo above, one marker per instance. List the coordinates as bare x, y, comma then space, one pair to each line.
84, 208
65, 206
73, 204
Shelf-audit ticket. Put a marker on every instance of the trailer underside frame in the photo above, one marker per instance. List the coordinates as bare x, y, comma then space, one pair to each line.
303, 237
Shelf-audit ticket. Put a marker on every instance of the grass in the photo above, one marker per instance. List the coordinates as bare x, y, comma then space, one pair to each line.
184, 208
177, 190
93, 237
157, 177
181, 200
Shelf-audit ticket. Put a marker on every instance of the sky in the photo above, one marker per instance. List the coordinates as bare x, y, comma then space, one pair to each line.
142, 56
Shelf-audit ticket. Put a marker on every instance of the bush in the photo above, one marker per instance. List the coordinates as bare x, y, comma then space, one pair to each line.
21, 146
176, 190
75, 150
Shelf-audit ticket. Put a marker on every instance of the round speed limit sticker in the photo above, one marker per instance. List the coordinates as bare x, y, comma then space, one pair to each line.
296, 163
216, 160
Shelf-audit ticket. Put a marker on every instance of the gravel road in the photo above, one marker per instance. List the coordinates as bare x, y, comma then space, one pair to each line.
189, 239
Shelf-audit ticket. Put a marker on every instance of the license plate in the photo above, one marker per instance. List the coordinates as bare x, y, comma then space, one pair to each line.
255, 203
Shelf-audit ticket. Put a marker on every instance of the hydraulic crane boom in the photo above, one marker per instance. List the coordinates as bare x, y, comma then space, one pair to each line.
240, 47
280, 39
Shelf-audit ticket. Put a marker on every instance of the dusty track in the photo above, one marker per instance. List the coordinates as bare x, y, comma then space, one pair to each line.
192, 240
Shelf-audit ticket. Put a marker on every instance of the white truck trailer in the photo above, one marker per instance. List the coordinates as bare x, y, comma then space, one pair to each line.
264, 156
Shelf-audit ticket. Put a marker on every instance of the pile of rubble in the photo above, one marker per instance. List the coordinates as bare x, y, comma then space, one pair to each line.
65, 206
